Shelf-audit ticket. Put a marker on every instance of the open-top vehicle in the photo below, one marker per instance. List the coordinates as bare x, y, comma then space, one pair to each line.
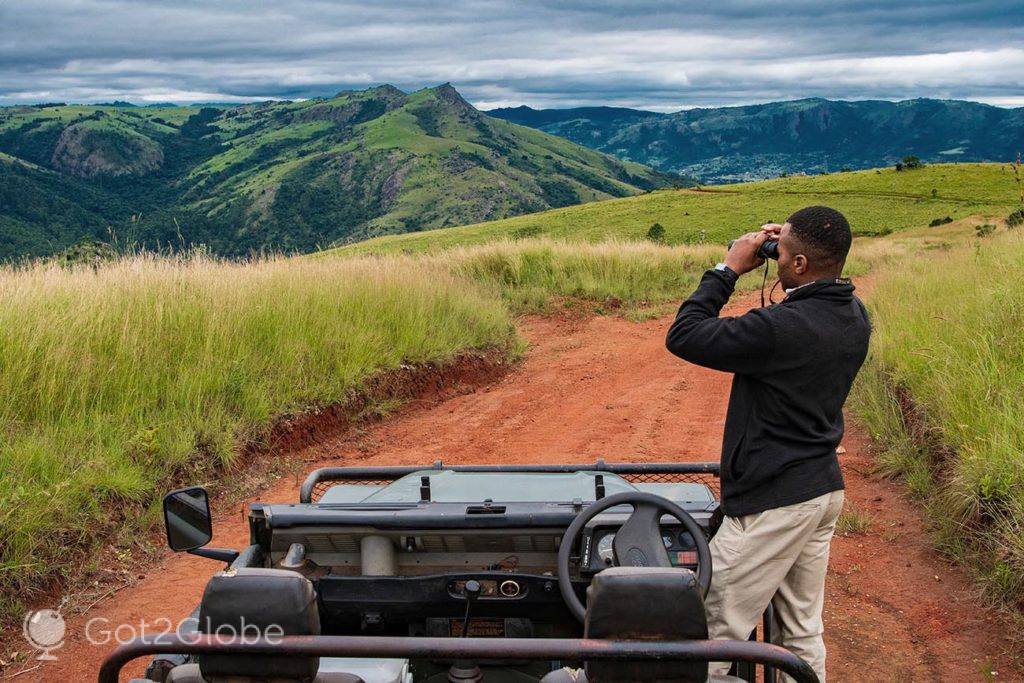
469, 573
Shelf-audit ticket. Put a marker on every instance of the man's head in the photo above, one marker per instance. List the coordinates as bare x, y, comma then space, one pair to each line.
813, 244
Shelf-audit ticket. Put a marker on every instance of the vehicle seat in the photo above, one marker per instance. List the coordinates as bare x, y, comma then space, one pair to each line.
248, 601
189, 673
643, 603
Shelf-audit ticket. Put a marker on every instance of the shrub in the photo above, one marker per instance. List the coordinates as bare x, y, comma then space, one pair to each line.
984, 230
1015, 219
940, 221
656, 233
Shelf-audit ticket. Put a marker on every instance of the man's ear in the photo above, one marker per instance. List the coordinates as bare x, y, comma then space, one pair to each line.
800, 264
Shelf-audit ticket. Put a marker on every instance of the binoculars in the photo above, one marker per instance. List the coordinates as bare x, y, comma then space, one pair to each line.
768, 249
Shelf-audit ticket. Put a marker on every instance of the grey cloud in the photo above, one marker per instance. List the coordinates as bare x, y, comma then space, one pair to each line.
662, 55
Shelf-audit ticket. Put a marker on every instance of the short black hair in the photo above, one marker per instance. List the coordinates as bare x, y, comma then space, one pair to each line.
824, 232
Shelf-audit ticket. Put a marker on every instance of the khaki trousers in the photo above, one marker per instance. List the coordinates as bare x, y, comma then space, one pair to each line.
778, 556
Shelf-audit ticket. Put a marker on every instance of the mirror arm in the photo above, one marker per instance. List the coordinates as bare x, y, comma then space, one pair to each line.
222, 554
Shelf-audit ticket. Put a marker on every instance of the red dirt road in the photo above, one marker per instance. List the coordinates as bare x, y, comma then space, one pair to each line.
605, 387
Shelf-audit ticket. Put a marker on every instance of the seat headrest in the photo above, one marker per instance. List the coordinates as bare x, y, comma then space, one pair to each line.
646, 603
248, 602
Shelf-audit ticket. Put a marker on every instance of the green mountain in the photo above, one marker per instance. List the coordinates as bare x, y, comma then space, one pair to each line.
283, 176
727, 144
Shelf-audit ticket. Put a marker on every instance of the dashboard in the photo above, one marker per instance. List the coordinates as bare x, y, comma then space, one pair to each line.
596, 551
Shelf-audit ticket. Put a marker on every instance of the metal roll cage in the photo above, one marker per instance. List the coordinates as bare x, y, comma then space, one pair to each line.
559, 649
626, 470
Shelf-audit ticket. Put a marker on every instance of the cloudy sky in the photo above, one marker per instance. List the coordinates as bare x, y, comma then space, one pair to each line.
637, 53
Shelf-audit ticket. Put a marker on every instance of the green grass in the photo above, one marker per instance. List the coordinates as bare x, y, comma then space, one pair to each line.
531, 275
120, 382
942, 394
853, 522
875, 201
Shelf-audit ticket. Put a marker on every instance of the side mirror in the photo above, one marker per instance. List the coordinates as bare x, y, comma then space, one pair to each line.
187, 518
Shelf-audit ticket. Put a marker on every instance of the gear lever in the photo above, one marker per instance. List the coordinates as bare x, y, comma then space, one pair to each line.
472, 592
463, 671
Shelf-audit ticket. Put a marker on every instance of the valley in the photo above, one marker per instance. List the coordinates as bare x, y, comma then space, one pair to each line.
812, 136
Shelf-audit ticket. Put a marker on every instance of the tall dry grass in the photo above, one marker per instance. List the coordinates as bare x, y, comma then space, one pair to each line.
529, 273
120, 381
943, 395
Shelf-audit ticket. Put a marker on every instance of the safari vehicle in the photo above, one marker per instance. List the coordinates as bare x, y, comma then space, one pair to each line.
470, 573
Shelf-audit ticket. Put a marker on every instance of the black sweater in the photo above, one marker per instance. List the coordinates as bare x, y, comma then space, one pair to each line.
794, 363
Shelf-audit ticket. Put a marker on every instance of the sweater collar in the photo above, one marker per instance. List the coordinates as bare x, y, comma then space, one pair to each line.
831, 288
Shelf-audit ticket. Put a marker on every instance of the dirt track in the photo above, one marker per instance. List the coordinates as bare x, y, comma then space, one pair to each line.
605, 387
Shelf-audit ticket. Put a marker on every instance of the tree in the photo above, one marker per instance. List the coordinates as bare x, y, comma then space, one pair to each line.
911, 161
656, 233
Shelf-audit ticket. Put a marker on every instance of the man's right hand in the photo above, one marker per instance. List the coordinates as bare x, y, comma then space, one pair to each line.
743, 256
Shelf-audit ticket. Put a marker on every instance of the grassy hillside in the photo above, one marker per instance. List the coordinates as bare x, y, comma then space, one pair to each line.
875, 201
942, 395
284, 176
117, 383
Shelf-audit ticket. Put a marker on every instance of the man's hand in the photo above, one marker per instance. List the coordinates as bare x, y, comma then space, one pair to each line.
773, 230
743, 256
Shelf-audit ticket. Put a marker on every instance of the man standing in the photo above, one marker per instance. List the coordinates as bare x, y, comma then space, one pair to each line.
794, 363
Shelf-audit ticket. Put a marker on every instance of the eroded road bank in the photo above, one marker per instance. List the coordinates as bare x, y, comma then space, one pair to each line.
605, 387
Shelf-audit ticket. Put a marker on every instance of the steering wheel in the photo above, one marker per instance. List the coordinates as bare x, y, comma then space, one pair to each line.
637, 543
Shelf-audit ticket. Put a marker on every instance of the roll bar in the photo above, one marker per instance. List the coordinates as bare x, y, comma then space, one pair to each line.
563, 649
388, 474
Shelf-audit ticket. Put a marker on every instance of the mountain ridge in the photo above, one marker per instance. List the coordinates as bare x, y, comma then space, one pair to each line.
809, 135
283, 176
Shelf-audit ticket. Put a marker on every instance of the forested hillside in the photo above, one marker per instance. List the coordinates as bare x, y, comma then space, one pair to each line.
725, 144
282, 176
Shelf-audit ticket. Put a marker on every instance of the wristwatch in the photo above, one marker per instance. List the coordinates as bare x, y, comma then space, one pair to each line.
725, 269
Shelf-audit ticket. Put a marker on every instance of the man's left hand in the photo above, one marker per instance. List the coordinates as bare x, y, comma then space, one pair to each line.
743, 256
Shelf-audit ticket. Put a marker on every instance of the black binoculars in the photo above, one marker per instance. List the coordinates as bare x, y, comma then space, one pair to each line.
768, 249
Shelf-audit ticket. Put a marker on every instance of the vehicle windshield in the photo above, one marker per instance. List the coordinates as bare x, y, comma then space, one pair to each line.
447, 486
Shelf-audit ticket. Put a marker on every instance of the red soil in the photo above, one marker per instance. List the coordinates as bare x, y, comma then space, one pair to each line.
605, 387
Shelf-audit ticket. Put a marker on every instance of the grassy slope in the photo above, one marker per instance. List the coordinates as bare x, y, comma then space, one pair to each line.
876, 202
636, 278
118, 383
948, 348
